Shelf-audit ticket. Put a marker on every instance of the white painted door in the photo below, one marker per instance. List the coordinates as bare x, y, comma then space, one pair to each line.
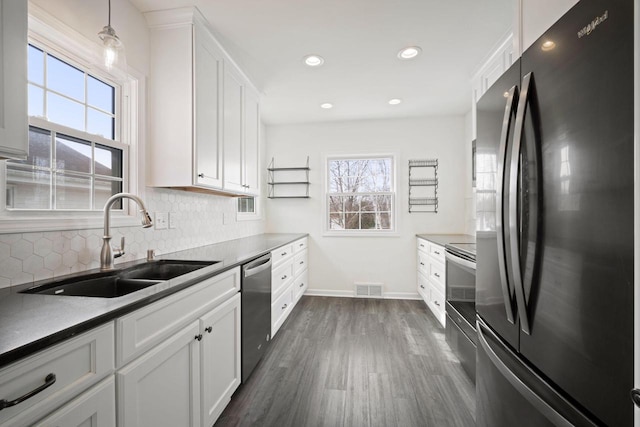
95, 407
220, 358
206, 92
233, 112
14, 143
251, 157
162, 387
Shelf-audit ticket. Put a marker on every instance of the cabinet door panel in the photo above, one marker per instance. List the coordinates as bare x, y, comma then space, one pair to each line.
251, 158
220, 355
208, 150
13, 80
161, 388
93, 408
233, 112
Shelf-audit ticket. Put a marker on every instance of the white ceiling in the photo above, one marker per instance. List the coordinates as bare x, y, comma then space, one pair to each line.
359, 40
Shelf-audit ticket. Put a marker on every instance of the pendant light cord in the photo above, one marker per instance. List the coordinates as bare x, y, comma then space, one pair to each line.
109, 12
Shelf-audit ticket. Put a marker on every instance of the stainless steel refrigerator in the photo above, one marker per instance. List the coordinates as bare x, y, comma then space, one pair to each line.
554, 291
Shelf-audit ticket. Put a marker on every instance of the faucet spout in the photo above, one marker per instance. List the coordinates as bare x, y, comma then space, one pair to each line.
108, 254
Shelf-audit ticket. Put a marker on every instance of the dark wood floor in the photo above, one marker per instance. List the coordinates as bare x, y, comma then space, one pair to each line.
356, 362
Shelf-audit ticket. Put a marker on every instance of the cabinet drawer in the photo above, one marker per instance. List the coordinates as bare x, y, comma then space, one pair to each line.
281, 277
422, 245
279, 311
436, 304
281, 254
143, 329
436, 252
77, 364
437, 275
300, 245
423, 263
423, 287
300, 262
300, 285
95, 407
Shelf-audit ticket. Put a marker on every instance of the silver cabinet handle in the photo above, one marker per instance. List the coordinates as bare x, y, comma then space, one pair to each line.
283, 254
301, 284
436, 252
283, 277
421, 245
301, 244
422, 263
437, 275
301, 262
284, 306
422, 286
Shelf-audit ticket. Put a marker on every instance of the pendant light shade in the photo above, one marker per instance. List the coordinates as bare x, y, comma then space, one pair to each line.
113, 48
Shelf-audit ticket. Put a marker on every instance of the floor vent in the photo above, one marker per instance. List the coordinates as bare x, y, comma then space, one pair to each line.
368, 290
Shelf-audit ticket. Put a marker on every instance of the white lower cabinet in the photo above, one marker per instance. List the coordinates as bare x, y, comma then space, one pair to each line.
289, 280
162, 387
431, 277
219, 358
95, 407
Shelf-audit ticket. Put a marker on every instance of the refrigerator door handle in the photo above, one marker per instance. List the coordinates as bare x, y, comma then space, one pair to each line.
513, 205
501, 232
543, 407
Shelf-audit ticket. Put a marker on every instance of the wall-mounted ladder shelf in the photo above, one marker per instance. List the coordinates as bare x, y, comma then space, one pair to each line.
423, 185
292, 182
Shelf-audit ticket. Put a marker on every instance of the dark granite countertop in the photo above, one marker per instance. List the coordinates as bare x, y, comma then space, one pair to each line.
31, 322
446, 239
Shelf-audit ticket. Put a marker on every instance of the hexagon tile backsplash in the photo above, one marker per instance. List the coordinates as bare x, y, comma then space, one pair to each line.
200, 220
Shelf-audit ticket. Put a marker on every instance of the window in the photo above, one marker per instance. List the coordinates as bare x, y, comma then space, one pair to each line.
75, 161
248, 208
360, 194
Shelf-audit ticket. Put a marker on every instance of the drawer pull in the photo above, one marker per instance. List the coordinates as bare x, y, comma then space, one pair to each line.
48, 382
284, 306
436, 252
301, 284
199, 337
209, 329
422, 286
283, 277
283, 254
422, 263
437, 275
437, 303
301, 262
301, 244
421, 245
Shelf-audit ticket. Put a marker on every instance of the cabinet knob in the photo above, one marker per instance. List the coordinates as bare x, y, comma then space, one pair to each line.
209, 329
284, 277
200, 175
635, 396
284, 306
199, 337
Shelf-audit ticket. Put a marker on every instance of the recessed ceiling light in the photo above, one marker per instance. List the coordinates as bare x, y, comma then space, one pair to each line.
326, 106
548, 45
395, 101
313, 60
409, 52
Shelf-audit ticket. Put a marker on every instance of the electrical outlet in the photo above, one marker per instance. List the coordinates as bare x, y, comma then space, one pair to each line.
161, 220
173, 219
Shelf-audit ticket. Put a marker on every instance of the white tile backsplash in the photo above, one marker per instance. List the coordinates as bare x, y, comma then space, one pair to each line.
200, 219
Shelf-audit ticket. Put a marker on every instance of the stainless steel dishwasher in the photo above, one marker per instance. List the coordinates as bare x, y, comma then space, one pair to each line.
256, 312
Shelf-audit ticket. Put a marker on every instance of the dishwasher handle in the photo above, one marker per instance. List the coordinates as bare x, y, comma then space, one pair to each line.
257, 266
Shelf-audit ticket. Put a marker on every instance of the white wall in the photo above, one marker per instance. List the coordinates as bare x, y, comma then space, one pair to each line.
337, 262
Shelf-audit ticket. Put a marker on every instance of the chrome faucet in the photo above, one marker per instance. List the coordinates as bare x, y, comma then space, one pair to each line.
108, 253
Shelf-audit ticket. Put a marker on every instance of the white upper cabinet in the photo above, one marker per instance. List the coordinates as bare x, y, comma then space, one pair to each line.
14, 142
538, 16
197, 124
251, 153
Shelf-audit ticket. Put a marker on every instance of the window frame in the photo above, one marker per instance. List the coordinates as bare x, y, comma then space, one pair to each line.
393, 230
48, 33
249, 216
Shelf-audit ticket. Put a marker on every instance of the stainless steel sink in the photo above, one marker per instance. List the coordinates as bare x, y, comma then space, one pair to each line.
112, 284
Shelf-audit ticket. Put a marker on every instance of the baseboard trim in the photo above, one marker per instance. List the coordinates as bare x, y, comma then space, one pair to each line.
351, 294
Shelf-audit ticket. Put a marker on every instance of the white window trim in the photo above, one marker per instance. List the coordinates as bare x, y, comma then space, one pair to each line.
48, 31
253, 216
326, 232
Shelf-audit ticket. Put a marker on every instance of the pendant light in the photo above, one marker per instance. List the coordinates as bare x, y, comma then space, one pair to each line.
113, 49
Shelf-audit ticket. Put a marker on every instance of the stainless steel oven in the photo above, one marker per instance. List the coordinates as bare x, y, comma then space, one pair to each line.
460, 303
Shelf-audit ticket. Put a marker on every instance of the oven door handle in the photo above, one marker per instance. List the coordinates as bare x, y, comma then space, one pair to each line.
457, 260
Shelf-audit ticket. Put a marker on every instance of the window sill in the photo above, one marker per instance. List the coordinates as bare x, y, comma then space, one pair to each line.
361, 234
33, 224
